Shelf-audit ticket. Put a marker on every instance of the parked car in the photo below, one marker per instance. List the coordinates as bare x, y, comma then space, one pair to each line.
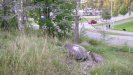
92, 22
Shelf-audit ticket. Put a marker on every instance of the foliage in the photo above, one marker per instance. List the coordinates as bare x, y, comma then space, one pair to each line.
106, 4
115, 11
106, 14
62, 10
132, 6
60, 23
7, 15
123, 10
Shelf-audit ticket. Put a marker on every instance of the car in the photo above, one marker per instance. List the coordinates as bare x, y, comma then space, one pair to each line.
92, 22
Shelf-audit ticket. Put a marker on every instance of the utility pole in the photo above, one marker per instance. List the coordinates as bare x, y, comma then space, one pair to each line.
76, 29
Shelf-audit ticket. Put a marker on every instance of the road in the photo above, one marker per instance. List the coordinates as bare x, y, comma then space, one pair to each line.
116, 40
116, 23
112, 39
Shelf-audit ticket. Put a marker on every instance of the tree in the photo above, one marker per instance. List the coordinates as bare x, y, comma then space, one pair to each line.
19, 11
6, 15
106, 14
4, 23
116, 6
76, 29
132, 6
123, 9
60, 23
9, 14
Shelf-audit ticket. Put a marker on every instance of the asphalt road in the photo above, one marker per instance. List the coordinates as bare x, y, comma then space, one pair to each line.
116, 40
116, 23
112, 39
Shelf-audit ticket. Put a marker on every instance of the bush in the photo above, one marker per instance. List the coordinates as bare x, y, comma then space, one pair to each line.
123, 10
106, 14
115, 13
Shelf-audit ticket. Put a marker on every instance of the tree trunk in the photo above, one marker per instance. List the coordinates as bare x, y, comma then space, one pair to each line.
20, 15
76, 29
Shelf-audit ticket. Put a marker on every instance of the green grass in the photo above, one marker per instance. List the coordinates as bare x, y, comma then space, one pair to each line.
128, 26
87, 19
112, 69
30, 54
35, 54
118, 60
102, 24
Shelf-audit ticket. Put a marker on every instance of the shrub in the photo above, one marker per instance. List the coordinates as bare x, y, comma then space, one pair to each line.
123, 10
106, 14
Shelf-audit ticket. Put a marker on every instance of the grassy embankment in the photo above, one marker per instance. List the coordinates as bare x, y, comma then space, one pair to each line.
34, 54
128, 26
24, 54
118, 60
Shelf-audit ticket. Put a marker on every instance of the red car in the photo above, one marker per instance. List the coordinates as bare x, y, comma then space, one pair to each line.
92, 22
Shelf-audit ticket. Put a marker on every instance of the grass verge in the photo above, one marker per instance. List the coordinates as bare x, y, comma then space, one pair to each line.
128, 26
118, 60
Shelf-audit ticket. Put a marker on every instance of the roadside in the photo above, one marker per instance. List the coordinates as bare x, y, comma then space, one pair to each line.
115, 23
112, 32
114, 20
112, 39
99, 33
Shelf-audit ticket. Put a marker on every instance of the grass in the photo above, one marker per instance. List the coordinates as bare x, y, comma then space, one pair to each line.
102, 24
87, 19
118, 59
128, 26
112, 69
35, 54
109, 33
23, 54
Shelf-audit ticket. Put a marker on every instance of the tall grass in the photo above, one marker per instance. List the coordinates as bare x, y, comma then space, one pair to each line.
32, 55
112, 69
117, 60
